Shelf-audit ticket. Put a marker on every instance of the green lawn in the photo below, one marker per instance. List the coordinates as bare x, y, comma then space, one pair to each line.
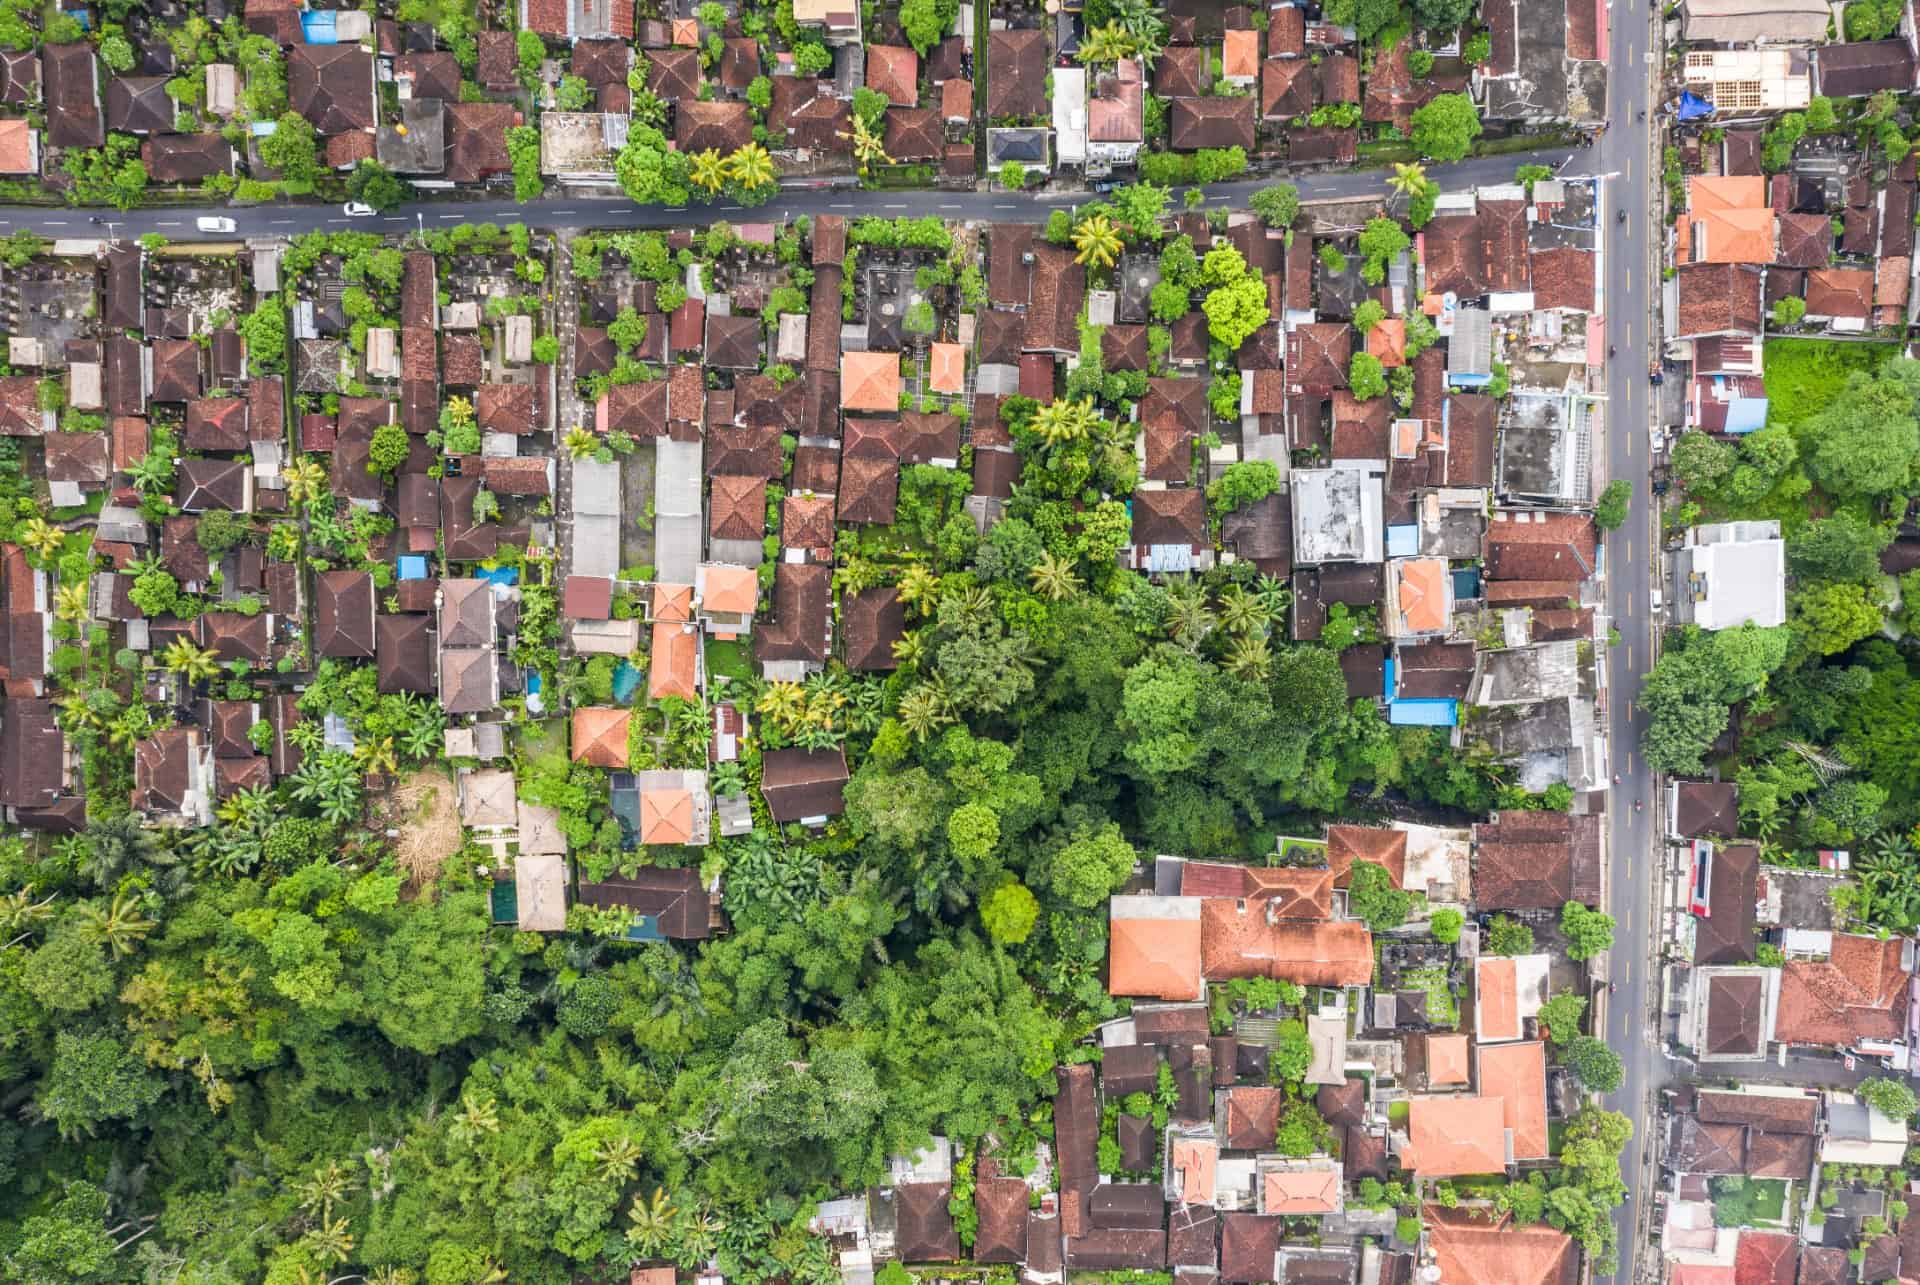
1749, 1202
1803, 375
728, 659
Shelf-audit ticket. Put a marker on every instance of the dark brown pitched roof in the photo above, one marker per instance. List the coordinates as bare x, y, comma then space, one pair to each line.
871, 621
232, 636
1213, 122
802, 603
1535, 860
1181, 72
73, 96
724, 126
737, 509
923, 1229
212, 484
403, 650
1076, 1125
733, 342
1455, 256
675, 899
914, 133
186, 158
217, 424
31, 754
1001, 1207
1840, 292
1706, 808
477, 140
803, 783
1017, 73
343, 614
1177, 515
1724, 298
139, 105
1053, 312
1248, 1243
1805, 240
332, 86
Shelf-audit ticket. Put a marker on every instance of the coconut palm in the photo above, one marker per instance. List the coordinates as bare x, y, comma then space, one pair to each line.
699, 1237
920, 590
40, 535
1189, 619
328, 1186
376, 756
477, 1116
305, 479
20, 914
652, 1223
1142, 21
1064, 421
1247, 656
751, 167
331, 1241
869, 148
925, 710
78, 716
70, 602
120, 927
152, 473
910, 649
619, 1159
190, 660
967, 607
1408, 179
1107, 44
244, 807
1241, 613
1097, 239
581, 442
1053, 577
707, 170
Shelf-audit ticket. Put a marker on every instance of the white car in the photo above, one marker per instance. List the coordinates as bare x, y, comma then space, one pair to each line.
215, 223
357, 210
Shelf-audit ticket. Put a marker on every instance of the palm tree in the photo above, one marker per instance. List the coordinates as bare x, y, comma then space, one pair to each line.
244, 807
331, 781
920, 590
1143, 22
1248, 656
331, 1241
1188, 618
967, 607
40, 535
328, 1186
1409, 178
70, 602
1107, 44
376, 756
1098, 241
77, 714
20, 915
781, 704
305, 479
910, 649
114, 847
1274, 595
699, 1237
925, 710
476, 1116
707, 170
1064, 421
1242, 613
869, 148
751, 167
191, 661
1053, 577
581, 442
652, 1223
120, 927
619, 1159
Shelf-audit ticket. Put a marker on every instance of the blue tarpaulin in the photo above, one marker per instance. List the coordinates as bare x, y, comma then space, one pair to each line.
317, 26
1692, 108
1746, 414
412, 566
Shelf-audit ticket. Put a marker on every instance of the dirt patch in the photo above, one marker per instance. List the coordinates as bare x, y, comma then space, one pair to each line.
424, 810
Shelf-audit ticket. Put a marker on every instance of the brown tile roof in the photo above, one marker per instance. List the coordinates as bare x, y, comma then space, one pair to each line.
1181, 72
1248, 1244
1858, 993
1706, 808
1562, 547
806, 521
674, 75
1765, 1258
600, 736
1470, 1248
914, 133
738, 508
1318, 355
1534, 860
477, 140
343, 604
176, 370
495, 67
1053, 312
1453, 255
1241, 943
332, 86
403, 650
1779, 1155
1562, 278
1286, 88
169, 158
1840, 292
232, 636
803, 783
73, 96
1001, 1206
1213, 122
723, 126
1252, 1117
505, 408
1017, 73
1797, 1114
598, 62
1724, 298
1339, 78
802, 603
1349, 843
1177, 515
894, 70
1009, 277
1806, 241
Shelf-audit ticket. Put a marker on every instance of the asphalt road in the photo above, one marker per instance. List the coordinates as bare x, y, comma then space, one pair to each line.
1631, 290
578, 211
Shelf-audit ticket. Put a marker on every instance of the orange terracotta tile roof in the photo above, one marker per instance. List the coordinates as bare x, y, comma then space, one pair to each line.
1467, 1247
956, 99
1496, 990
1726, 192
673, 602
1300, 1191
1518, 1074
1195, 1160
1347, 844
1423, 594
947, 367
1446, 1058
1454, 1136
730, 590
673, 667
1241, 55
1291, 892
1154, 958
1858, 993
16, 147
666, 816
600, 736
870, 381
1241, 943
1388, 341
1732, 236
